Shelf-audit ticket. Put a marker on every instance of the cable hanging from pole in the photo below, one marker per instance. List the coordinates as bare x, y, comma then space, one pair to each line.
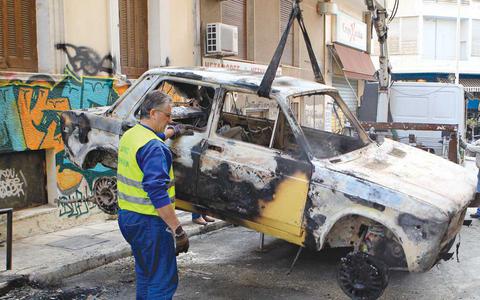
267, 80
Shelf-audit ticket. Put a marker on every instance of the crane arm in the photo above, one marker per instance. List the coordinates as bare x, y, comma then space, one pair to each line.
379, 20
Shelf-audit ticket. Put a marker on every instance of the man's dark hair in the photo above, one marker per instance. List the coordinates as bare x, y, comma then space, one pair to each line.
154, 100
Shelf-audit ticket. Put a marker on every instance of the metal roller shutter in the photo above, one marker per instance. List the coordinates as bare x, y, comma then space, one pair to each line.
234, 13
346, 92
285, 9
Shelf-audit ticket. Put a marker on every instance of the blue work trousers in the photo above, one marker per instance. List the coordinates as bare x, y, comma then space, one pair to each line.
196, 216
154, 252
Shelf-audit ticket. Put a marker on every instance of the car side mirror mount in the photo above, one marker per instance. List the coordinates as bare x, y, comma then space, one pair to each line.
126, 125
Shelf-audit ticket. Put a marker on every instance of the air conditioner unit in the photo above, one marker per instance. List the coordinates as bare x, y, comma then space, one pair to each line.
221, 40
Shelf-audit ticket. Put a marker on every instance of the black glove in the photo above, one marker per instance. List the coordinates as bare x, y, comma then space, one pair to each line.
463, 145
181, 129
181, 241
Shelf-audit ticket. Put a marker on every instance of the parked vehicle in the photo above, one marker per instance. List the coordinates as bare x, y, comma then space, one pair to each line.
252, 163
428, 102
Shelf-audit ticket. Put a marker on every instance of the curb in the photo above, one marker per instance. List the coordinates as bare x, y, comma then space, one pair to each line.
53, 276
12, 282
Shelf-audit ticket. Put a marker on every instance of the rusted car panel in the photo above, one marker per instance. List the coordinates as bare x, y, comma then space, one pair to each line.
310, 187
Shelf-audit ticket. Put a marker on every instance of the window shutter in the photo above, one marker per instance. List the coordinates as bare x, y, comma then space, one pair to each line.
18, 37
475, 38
133, 37
234, 13
285, 9
3, 61
409, 35
394, 37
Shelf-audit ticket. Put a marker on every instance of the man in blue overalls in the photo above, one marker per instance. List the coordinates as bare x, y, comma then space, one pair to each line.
146, 195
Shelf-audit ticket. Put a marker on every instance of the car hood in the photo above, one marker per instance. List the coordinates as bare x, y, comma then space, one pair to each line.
411, 171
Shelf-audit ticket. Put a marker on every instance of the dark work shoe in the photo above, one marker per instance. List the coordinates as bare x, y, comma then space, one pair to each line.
474, 216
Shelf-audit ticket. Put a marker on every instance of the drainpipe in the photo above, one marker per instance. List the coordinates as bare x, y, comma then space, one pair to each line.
197, 49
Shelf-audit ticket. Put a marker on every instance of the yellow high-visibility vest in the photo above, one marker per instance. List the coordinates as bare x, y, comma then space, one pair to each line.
131, 195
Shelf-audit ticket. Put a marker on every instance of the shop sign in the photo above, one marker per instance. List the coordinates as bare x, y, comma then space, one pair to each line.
351, 32
236, 65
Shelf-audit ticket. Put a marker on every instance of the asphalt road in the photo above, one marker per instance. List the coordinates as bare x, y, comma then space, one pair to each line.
226, 264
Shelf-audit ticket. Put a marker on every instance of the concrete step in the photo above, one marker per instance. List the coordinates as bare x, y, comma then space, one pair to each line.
47, 218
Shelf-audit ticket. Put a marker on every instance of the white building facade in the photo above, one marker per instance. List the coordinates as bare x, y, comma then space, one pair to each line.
423, 42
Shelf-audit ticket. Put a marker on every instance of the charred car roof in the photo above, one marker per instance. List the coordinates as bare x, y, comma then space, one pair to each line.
242, 79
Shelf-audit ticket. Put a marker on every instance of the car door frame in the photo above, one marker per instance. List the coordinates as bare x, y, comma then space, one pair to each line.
180, 147
284, 231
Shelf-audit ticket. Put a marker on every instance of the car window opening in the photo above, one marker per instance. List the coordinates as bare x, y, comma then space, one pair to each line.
326, 126
251, 119
248, 118
191, 103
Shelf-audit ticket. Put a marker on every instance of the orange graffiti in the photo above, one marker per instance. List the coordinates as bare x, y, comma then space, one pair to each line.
68, 180
32, 118
39, 103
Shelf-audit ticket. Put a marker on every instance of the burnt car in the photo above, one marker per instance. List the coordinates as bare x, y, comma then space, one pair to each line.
297, 166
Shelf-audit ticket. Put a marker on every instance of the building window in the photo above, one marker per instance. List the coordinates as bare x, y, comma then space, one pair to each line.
393, 39
439, 36
133, 37
285, 9
18, 36
402, 36
475, 37
234, 13
408, 37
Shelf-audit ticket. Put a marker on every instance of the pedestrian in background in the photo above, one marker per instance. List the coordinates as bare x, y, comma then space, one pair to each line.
146, 195
475, 149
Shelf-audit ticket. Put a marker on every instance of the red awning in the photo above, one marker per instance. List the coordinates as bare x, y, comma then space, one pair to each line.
356, 64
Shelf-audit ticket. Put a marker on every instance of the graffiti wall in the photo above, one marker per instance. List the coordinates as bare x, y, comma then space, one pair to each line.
30, 110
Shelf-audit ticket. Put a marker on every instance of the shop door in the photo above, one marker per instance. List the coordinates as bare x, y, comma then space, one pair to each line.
23, 179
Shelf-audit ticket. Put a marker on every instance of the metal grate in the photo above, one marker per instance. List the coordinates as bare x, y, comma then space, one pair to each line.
212, 32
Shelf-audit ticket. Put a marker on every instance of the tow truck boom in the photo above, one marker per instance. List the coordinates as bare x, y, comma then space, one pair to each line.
379, 20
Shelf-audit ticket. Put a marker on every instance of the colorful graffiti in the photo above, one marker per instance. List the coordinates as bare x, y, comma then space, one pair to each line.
30, 119
75, 204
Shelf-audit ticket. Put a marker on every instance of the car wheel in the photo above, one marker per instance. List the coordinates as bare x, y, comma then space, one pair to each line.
362, 276
105, 194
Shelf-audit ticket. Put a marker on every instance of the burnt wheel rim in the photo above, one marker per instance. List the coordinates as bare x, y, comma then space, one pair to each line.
105, 194
361, 276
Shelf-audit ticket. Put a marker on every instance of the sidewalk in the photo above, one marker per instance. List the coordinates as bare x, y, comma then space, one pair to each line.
48, 258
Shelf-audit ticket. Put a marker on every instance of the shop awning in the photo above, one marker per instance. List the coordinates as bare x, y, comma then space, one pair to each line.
356, 64
470, 85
